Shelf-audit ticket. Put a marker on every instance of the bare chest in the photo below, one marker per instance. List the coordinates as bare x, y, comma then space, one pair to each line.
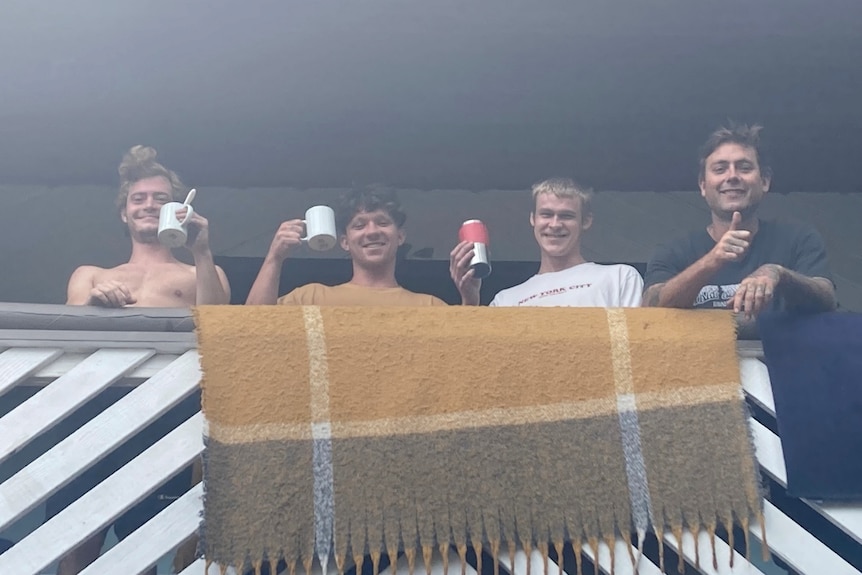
169, 285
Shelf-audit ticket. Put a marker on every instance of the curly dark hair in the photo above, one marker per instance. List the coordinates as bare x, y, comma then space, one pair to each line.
742, 134
368, 200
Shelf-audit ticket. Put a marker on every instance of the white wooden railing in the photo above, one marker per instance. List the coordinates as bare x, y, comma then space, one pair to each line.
67, 356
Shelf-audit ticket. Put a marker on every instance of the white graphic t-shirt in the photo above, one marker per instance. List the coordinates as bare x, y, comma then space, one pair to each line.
584, 285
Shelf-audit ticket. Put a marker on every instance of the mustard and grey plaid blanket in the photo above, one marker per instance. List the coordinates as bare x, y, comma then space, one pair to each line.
353, 432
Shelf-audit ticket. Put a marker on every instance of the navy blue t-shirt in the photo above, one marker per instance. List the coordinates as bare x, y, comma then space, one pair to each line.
793, 245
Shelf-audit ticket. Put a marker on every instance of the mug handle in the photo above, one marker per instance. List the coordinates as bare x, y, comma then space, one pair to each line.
305, 224
189, 213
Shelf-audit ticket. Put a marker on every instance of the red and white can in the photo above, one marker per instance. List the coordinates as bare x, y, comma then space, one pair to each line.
476, 232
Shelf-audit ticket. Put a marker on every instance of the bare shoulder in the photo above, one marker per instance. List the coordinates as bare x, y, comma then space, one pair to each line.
81, 282
82, 273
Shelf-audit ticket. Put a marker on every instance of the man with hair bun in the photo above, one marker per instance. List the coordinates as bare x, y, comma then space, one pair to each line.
152, 277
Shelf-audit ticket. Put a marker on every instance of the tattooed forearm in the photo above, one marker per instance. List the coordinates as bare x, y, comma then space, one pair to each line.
652, 296
802, 293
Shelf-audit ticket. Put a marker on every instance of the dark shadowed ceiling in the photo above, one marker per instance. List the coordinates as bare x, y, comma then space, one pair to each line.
469, 94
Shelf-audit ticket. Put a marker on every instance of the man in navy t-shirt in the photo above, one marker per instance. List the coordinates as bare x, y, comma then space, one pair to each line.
740, 261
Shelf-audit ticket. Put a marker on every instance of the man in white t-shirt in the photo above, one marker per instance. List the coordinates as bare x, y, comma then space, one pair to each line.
561, 213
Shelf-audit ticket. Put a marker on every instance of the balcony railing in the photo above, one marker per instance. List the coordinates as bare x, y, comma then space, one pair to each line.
56, 360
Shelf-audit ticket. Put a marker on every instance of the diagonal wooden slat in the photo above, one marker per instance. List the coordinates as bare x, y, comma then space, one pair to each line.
754, 376
798, 548
524, 562
105, 502
622, 560
61, 365
156, 538
65, 395
704, 550
17, 364
770, 454
845, 516
69, 458
199, 568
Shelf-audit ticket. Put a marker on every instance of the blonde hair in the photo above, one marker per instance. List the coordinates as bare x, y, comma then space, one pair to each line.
139, 163
565, 188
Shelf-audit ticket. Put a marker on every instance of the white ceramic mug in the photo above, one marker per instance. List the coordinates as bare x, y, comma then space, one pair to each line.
320, 232
172, 230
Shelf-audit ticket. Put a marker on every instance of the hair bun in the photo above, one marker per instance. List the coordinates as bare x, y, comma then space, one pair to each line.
135, 159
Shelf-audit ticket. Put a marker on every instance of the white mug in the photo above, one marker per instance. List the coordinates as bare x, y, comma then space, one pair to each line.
172, 231
320, 232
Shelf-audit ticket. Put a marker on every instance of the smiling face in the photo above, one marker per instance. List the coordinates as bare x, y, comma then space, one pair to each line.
732, 181
558, 223
372, 239
143, 204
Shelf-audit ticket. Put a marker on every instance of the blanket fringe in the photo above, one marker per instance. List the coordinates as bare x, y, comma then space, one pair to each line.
462, 555
427, 553
477, 549
444, 554
730, 542
710, 528
559, 547
410, 553
577, 547
548, 549
765, 555
393, 558
543, 551
375, 562
594, 544
495, 555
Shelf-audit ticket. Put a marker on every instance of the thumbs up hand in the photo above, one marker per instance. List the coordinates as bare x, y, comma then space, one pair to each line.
734, 244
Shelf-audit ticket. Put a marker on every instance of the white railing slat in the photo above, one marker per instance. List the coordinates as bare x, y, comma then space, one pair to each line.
722, 550
107, 501
437, 566
845, 516
84, 381
622, 560
755, 381
536, 562
770, 455
18, 364
72, 456
156, 538
55, 369
199, 566
797, 547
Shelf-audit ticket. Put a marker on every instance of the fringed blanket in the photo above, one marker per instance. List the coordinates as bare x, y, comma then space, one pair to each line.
347, 432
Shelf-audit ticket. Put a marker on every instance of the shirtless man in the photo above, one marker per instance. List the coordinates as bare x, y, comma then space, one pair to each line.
152, 277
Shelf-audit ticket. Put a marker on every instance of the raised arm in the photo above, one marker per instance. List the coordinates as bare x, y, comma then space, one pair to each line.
211, 285
264, 291
681, 289
462, 275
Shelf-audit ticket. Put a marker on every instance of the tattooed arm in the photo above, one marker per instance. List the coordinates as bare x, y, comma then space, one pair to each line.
800, 292
681, 290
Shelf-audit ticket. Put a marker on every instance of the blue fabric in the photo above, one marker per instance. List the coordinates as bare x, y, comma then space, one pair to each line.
815, 365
